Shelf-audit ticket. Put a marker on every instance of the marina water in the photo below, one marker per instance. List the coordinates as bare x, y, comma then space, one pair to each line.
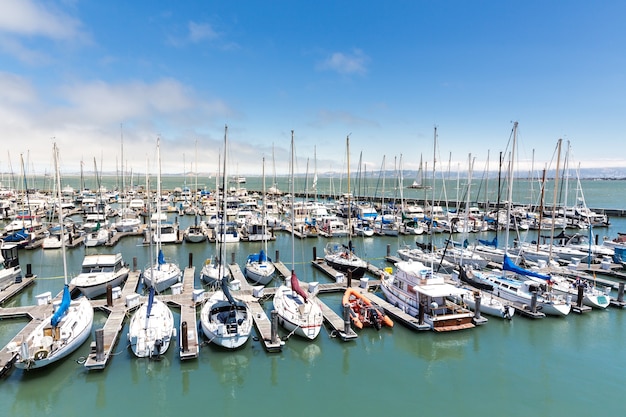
547, 367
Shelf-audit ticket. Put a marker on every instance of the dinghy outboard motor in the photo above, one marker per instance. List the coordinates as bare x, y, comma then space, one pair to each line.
157, 349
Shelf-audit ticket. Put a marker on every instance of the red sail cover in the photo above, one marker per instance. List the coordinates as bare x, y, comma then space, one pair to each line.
295, 286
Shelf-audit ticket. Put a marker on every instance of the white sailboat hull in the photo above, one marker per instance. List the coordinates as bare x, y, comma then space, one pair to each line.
150, 337
303, 318
42, 347
223, 324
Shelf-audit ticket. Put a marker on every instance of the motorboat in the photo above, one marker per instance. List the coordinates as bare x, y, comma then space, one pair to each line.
10, 269
363, 312
415, 289
98, 271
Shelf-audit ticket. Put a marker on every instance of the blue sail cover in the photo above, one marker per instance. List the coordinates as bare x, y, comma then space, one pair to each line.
161, 258
150, 301
65, 304
493, 242
508, 265
226, 291
18, 236
258, 257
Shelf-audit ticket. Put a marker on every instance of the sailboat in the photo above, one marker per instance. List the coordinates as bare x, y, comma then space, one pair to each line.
213, 269
418, 183
518, 286
259, 267
298, 312
164, 274
68, 328
225, 321
151, 328
340, 256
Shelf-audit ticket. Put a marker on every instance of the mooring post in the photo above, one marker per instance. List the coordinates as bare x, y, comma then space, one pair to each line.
134, 263
190, 259
533, 303
109, 295
314, 253
477, 301
183, 336
277, 257
579, 300
388, 250
620, 292
346, 318
420, 313
99, 345
274, 327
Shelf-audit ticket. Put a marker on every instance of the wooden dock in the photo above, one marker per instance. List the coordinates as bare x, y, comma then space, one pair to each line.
262, 323
187, 302
114, 324
8, 354
15, 288
115, 237
321, 264
397, 313
337, 323
282, 270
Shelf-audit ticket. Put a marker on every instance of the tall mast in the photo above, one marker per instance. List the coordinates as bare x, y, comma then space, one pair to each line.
62, 228
510, 192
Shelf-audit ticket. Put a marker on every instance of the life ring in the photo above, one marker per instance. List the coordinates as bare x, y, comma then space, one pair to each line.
41, 354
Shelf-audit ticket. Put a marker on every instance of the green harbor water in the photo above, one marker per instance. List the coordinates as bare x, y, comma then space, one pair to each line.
548, 367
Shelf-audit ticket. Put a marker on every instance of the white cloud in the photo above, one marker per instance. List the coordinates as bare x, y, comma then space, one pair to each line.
201, 31
27, 17
354, 63
84, 119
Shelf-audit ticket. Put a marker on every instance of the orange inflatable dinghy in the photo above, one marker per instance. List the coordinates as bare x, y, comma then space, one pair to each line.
363, 312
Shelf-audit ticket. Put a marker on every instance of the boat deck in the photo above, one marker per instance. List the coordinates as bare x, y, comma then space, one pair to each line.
36, 313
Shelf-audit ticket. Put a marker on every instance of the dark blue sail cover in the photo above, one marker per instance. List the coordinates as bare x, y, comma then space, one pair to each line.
508, 265
258, 257
150, 301
226, 292
65, 304
493, 242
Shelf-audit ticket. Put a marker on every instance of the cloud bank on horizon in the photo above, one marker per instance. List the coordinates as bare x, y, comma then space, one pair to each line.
93, 75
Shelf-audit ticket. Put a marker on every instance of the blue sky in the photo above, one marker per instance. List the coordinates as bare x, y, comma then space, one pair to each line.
82, 72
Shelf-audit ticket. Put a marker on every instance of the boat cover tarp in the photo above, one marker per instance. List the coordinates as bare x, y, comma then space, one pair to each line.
15, 237
508, 265
493, 242
258, 257
295, 285
226, 291
65, 304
